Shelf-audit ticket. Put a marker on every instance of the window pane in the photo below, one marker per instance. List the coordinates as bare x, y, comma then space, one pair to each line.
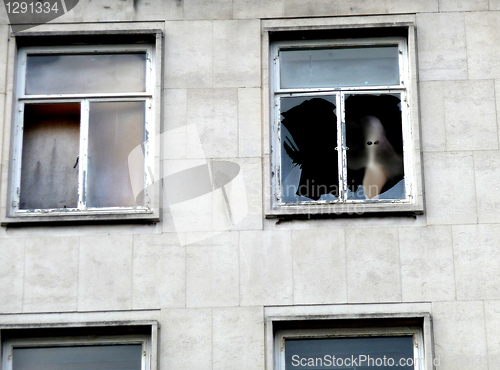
85, 73
323, 351
49, 178
375, 140
105, 357
115, 129
337, 67
309, 161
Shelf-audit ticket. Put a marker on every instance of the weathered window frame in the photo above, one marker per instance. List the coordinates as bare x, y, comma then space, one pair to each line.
274, 206
150, 42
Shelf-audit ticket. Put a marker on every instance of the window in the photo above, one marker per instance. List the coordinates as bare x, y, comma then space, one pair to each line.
350, 336
105, 353
343, 135
82, 114
375, 348
67, 347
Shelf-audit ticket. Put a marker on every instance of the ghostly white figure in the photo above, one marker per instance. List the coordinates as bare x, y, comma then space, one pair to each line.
376, 155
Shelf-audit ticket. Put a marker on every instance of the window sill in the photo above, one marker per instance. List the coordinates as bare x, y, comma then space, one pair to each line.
345, 210
81, 217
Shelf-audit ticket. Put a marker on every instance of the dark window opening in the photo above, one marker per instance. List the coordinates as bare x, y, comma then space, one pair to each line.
51, 137
309, 139
310, 154
374, 137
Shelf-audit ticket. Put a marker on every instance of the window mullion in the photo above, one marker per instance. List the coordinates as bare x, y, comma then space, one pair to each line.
148, 176
149, 71
341, 147
83, 160
18, 156
276, 151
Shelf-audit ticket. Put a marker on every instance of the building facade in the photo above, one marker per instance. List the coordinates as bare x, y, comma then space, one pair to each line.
233, 184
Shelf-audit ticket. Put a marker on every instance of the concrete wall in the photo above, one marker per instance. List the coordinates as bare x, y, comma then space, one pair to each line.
209, 296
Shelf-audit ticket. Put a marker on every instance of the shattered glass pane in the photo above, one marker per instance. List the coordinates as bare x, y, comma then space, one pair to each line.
374, 137
49, 171
309, 161
86, 73
115, 129
339, 67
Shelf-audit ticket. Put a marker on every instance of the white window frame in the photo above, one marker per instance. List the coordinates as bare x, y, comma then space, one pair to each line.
413, 202
143, 340
416, 332
147, 38
84, 100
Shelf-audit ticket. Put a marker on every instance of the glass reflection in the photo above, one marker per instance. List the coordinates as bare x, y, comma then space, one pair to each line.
105, 357
339, 353
339, 67
115, 129
309, 161
86, 73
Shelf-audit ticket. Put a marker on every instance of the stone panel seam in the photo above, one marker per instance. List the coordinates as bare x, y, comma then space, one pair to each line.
78, 274
238, 96
24, 275
132, 303
239, 269
345, 265
185, 276
443, 94
213, 58
486, 336
474, 184
466, 48
212, 337
496, 110
400, 266
453, 262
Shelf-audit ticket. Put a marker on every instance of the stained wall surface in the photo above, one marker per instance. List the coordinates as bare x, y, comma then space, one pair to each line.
209, 293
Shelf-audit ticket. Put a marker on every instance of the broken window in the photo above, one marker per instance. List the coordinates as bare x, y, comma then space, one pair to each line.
341, 114
374, 140
83, 110
308, 155
51, 144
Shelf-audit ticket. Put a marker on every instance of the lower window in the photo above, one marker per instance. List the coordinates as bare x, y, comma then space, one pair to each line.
374, 348
78, 353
